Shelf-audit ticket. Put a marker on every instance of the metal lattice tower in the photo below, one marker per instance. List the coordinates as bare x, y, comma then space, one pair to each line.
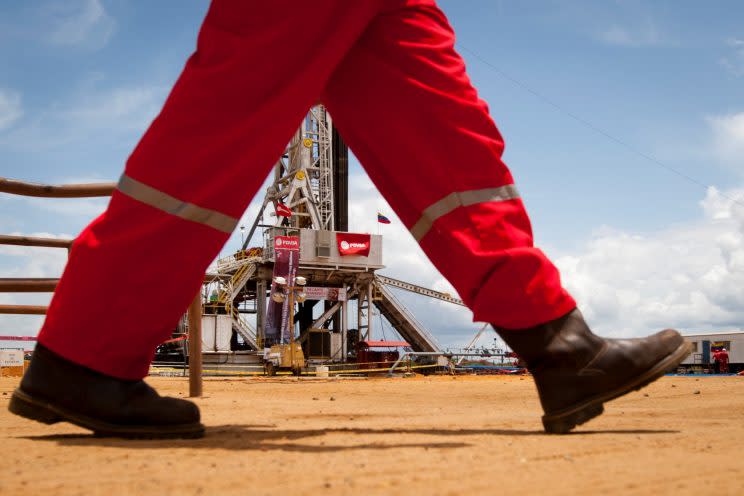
303, 176
321, 173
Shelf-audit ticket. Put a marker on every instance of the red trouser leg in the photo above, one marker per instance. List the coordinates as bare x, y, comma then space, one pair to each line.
257, 69
403, 102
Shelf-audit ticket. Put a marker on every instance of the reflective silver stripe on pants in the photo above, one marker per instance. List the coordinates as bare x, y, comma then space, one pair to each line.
460, 199
165, 202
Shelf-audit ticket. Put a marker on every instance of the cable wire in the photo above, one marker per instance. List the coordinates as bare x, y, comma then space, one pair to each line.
590, 125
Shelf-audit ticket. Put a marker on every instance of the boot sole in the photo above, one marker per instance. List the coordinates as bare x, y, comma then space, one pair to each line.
24, 405
565, 420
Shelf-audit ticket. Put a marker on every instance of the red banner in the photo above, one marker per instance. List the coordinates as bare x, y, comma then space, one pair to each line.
353, 244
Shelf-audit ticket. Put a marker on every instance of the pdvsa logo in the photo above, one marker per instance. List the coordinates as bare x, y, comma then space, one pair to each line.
346, 245
286, 242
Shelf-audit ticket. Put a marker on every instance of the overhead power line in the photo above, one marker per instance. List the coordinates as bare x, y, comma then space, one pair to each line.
591, 125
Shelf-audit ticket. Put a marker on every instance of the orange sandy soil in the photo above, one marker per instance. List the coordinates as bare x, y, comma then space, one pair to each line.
439, 435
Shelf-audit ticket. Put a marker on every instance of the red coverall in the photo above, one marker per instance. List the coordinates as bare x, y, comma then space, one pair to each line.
723, 359
397, 90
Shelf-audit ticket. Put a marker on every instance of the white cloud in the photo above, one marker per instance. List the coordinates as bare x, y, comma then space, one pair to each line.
79, 23
734, 60
635, 34
117, 115
728, 139
33, 261
11, 108
689, 276
81, 208
126, 108
87, 208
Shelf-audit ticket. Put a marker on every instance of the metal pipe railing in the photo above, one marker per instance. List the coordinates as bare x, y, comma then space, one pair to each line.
37, 285
52, 191
23, 309
32, 285
33, 241
195, 345
27, 285
445, 354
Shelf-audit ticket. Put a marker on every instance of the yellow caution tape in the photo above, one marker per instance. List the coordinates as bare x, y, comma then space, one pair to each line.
257, 373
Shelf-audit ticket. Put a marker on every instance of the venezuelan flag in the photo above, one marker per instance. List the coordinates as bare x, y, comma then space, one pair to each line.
382, 219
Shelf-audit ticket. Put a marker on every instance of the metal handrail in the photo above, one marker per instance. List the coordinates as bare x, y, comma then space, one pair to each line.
14, 187
27, 285
228, 266
41, 285
34, 241
23, 309
445, 354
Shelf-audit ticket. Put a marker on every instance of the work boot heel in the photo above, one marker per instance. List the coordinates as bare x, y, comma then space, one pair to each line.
564, 423
21, 405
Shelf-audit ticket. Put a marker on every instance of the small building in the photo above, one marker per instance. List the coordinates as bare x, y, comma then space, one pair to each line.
379, 354
705, 343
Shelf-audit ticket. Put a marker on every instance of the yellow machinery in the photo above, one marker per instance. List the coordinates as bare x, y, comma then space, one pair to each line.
284, 357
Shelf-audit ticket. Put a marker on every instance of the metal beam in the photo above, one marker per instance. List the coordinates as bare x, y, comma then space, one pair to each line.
329, 313
255, 224
413, 288
472, 342
340, 161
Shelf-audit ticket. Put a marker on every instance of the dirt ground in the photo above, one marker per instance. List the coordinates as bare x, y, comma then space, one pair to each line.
438, 435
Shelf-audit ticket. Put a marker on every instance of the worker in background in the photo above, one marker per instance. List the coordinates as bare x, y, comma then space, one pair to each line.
379, 67
716, 360
723, 361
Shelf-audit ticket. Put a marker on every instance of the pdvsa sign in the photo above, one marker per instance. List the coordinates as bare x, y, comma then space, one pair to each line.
353, 244
287, 242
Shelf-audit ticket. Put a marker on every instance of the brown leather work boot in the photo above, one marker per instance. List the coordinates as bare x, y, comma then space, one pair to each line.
57, 390
577, 371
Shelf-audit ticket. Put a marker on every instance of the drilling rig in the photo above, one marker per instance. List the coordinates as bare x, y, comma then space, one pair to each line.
322, 319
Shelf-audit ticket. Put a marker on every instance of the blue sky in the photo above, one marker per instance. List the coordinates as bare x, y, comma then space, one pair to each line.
639, 245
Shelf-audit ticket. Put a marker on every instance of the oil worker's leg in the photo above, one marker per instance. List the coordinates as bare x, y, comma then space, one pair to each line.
404, 103
131, 274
